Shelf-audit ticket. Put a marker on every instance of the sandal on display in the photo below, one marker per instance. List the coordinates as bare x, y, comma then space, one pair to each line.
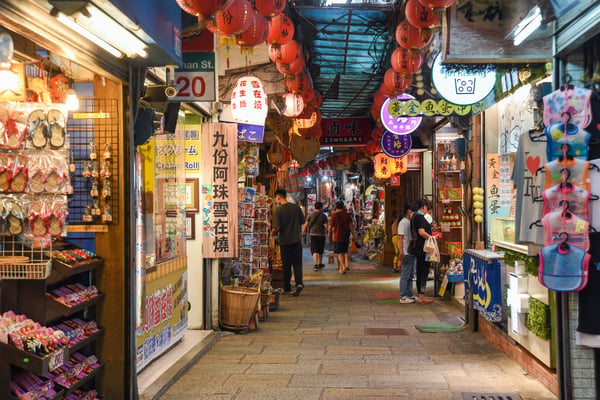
56, 127
38, 129
18, 182
37, 222
53, 180
15, 219
56, 218
14, 130
6, 167
37, 175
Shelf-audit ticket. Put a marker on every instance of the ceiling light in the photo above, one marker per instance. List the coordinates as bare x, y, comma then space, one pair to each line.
531, 22
67, 21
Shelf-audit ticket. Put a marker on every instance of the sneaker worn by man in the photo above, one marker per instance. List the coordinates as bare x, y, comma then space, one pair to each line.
407, 300
321, 266
316, 268
298, 290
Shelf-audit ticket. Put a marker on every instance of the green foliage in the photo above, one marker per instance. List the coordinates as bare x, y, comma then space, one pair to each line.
531, 262
505, 300
538, 319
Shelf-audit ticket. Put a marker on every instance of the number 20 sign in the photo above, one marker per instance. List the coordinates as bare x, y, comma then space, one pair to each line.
195, 79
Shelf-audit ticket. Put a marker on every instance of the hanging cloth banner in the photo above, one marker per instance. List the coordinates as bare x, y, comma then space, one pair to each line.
346, 131
219, 191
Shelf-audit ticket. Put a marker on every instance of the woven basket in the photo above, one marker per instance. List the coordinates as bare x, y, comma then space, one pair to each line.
237, 306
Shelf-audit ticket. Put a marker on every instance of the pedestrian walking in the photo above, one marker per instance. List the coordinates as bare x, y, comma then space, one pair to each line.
340, 229
287, 221
317, 226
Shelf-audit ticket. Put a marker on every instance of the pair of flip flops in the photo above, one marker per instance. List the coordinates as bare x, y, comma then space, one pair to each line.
12, 128
47, 218
47, 174
13, 173
47, 128
12, 216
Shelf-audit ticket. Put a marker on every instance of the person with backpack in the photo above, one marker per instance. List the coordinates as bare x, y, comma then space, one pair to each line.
340, 230
317, 226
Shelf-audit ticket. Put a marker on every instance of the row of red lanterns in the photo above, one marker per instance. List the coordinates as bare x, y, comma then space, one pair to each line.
412, 35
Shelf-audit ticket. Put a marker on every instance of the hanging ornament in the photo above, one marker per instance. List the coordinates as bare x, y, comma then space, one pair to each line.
306, 123
398, 165
420, 16
269, 8
249, 102
232, 21
281, 30
285, 53
405, 61
412, 38
255, 34
293, 104
204, 9
291, 69
437, 3
297, 83
396, 81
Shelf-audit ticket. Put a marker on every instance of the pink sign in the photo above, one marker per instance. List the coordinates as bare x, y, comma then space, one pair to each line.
391, 115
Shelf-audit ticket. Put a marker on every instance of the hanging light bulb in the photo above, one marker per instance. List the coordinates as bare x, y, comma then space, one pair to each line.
72, 100
7, 49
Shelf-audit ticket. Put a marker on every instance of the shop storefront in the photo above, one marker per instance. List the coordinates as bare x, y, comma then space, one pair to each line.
68, 174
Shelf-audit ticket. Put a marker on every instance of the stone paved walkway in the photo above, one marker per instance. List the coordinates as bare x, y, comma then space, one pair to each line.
322, 345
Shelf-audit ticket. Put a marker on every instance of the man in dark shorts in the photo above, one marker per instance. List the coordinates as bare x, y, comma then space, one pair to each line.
287, 220
317, 226
340, 229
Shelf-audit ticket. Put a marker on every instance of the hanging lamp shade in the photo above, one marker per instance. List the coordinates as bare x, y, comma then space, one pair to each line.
398, 165
233, 20
382, 167
255, 34
285, 53
249, 102
388, 92
412, 38
203, 9
269, 8
308, 95
421, 16
281, 30
293, 104
293, 68
297, 83
405, 61
437, 3
396, 81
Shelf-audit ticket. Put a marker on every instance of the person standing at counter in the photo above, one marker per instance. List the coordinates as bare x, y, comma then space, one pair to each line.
421, 231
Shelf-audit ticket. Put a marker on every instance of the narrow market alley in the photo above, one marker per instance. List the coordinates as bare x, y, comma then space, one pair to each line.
340, 340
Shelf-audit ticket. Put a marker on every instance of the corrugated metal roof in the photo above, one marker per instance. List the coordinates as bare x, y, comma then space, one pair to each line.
347, 49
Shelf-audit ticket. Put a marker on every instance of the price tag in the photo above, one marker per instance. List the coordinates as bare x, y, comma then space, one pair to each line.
56, 359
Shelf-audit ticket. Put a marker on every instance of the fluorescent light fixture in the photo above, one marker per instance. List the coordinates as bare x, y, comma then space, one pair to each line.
98, 27
67, 21
528, 25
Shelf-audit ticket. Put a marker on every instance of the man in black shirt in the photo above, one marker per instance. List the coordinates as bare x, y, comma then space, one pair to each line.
287, 220
421, 230
316, 225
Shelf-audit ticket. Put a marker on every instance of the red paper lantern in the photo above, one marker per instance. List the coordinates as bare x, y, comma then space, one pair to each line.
233, 20
255, 34
318, 99
421, 16
376, 134
388, 92
249, 102
306, 123
269, 8
412, 38
291, 69
437, 3
406, 62
203, 9
308, 95
322, 164
396, 81
281, 30
293, 104
375, 112
286, 53
297, 83
307, 112
379, 98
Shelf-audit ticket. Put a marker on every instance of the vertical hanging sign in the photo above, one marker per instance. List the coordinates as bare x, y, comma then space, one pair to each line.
219, 191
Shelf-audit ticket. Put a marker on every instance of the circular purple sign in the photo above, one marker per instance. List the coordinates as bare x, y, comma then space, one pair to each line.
395, 146
398, 125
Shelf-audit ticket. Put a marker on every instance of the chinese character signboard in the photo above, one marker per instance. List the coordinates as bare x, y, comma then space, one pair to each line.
218, 192
395, 146
401, 115
346, 131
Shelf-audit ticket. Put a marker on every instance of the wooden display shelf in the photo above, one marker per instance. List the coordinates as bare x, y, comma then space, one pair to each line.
83, 380
56, 310
30, 362
90, 339
61, 270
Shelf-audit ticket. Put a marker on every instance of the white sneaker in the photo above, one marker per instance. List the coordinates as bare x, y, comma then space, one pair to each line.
407, 300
